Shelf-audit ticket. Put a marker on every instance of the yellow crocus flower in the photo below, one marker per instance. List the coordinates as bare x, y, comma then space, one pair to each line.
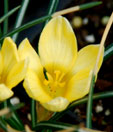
60, 74
12, 69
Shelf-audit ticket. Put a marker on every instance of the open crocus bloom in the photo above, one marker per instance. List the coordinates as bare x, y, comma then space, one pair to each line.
12, 69
60, 74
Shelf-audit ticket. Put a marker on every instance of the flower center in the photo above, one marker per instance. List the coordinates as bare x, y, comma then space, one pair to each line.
0, 78
54, 81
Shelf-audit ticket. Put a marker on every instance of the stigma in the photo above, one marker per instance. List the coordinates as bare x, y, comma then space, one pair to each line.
55, 80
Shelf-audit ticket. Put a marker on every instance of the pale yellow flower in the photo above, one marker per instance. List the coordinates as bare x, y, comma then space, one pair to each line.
68, 72
12, 69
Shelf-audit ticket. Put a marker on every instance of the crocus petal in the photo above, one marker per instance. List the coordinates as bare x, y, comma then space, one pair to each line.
78, 85
87, 58
57, 104
10, 129
1, 63
57, 45
17, 73
35, 88
5, 92
9, 55
25, 50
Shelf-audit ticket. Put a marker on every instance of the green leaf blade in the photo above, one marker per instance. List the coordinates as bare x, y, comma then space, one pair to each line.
90, 5
9, 14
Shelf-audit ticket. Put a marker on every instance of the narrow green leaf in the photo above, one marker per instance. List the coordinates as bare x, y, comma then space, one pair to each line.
96, 96
0, 36
0, 32
108, 52
90, 5
5, 103
84, 100
46, 130
17, 106
14, 119
89, 104
17, 120
90, 99
53, 125
5, 26
49, 130
52, 8
13, 123
25, 26
9, 14
33, 113
20, 17
3, 124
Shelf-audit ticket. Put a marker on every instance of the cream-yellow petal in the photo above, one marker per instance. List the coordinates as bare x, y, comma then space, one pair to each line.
25, 50
87, 58
1, 63
35, 88
10, 129
17, 73
5, 92
57, 104
78, 86
9, 55
57, 45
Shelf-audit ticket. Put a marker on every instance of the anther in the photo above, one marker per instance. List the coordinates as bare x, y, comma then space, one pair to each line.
50, 78
57, 73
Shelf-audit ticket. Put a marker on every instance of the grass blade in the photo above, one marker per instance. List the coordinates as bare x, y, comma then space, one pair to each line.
20, 17
13, 123
108, 52
14, 119
52, 7
84, 100
17, 120
25, 26
9, 14
33, 113
32, 23
90, 99
5, 26
3, 124
89, 104
77, 8
53, 125
90, 5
